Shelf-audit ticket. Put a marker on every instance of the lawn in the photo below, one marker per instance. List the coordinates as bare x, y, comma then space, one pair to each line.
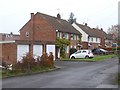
96, 58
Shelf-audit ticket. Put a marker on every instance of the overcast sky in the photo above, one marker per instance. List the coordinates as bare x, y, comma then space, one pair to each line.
15, 13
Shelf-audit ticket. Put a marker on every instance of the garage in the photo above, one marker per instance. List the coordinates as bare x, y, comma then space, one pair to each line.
22, 50
50, 48
37, 50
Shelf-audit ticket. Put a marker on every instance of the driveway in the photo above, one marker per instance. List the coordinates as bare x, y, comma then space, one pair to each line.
73, 74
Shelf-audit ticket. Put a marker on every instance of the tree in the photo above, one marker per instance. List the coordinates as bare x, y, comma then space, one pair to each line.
71, 18
113, 30
61, 43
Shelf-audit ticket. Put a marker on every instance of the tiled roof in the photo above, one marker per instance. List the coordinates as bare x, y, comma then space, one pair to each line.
9, 37
91, 32
59, 24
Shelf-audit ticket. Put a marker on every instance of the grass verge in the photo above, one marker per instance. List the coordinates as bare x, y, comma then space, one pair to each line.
13, 73
96, 58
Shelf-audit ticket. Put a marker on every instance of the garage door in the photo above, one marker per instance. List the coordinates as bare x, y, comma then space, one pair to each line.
22, 50
51, 48
37, 50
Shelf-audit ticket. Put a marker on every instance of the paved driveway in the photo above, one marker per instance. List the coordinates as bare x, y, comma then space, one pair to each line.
71, 75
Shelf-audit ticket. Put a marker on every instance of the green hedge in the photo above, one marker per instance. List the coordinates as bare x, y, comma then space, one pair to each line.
114, 48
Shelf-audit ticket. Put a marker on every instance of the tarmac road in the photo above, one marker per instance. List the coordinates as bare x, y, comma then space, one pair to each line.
73, 74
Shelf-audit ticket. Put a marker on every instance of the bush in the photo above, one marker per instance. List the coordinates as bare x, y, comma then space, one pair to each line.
114, 48
72, 50
29, 63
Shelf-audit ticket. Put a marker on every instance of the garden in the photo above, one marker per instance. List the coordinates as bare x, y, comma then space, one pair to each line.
29, 65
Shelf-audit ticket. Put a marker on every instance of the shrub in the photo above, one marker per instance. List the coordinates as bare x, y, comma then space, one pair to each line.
114, 48
28, 63
72, 50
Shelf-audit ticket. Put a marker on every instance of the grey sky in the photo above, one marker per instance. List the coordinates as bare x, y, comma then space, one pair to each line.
15, 13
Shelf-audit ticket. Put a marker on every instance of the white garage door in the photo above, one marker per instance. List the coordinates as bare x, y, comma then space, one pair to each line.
37, 50
22, 50
51, 48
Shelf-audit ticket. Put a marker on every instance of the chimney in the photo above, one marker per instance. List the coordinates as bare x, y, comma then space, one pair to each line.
32, 15
32, 27
102, 29
11, 34
58, 16
85, 24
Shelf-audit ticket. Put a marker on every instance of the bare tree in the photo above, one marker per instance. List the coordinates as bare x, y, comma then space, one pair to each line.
113, 30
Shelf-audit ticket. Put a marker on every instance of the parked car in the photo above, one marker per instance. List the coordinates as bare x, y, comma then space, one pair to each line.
82, 54
99, 51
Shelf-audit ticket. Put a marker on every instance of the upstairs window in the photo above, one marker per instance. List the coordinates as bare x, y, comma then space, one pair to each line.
73, 37
65, 36
27, 34
92, 39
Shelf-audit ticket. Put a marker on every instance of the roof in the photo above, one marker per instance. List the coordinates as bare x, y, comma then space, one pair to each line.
58, 24
9, 37
91, 32
98, 32
109, 36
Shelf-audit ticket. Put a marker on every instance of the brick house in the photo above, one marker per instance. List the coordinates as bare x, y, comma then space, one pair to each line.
108, 40
61, 28
91, 37
64, 30
38, 35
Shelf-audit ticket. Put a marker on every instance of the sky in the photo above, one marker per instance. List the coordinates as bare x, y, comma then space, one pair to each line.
15, 13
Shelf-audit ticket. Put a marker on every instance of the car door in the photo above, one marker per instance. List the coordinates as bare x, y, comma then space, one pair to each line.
78, 54
83, 54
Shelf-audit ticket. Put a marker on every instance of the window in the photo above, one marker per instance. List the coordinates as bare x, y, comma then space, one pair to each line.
65, 35
96, 39
78, 52
27, 34
73, 37
58, 34
91, 38
83, 51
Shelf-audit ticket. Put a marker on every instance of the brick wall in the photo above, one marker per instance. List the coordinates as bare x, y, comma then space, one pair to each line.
39, 30
84, 45
43, 30
9, 53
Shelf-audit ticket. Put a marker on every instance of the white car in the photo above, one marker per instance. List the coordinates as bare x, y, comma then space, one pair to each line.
82, 54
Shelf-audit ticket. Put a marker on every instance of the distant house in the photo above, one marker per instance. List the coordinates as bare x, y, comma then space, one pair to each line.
39, 35
108, 40
90, 37
8, 47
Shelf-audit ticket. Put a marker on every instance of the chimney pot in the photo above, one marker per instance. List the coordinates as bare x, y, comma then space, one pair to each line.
58, 16
85, 24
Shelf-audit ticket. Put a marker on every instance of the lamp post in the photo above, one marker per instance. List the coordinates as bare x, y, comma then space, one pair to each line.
116, 47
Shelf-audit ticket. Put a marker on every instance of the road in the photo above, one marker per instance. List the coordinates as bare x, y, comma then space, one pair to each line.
73, 74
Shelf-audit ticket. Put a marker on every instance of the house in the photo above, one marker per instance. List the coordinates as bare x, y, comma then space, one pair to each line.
90, 37
108, 40
39, 35
64, 30
8, 47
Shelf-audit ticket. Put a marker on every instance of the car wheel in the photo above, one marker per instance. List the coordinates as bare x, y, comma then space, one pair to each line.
86, 56
72, 57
